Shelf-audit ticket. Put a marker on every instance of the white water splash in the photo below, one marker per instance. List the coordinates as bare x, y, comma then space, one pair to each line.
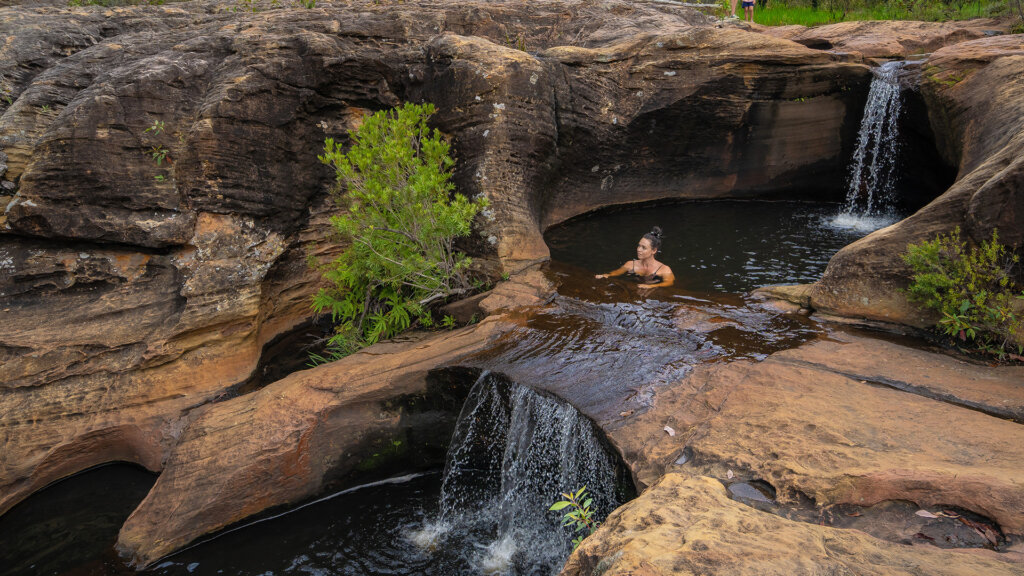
429, 535
513, 452
860, 222
496, 558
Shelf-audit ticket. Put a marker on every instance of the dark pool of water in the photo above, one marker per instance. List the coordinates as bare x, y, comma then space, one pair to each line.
366, 531
385, 528
71, 526
713, 246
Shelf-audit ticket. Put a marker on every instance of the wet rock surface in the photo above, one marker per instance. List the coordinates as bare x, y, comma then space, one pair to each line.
975, 98
840, 447
161, 187
285, 442
137, 294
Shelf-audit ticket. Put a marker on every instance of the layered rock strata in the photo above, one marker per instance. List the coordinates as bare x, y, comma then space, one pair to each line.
691, 526
288, 440
165, 187
161, 192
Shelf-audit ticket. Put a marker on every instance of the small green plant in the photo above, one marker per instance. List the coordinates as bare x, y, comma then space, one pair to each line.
401, 221
307, 4
579, 516
156, 128
45, 108
505, 276
159, 154
159, 178
974, 290
448, 322
518, 41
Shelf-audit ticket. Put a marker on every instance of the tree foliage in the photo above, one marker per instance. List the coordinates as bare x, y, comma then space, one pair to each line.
973, 289
401, 220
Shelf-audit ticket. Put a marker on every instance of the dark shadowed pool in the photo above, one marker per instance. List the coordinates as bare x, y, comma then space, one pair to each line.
716, 246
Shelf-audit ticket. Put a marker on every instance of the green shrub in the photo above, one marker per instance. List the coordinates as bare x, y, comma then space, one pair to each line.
973, 289
580, 516
401, 221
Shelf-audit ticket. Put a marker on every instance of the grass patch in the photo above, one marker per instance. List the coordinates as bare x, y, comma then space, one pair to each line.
807, 13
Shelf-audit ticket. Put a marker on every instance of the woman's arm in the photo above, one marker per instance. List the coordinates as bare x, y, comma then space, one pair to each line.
617, 272
667, 279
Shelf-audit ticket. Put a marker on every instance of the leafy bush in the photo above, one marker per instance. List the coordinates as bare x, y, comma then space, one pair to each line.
401, 221
973, 289
580, 516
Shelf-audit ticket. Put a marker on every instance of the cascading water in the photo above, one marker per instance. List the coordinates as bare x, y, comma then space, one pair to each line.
873, 171
513, 452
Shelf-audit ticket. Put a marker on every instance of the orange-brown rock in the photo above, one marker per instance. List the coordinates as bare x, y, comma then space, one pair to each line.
975, 97
160, 188
160, 192
282, 443
687, 525
847, 420
887, 38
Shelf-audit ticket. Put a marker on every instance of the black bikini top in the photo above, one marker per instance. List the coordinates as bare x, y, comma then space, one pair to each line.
651, 278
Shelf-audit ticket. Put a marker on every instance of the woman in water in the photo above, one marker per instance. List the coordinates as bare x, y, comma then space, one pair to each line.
651, 273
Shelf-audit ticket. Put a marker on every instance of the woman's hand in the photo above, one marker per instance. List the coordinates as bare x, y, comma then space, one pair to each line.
600, 276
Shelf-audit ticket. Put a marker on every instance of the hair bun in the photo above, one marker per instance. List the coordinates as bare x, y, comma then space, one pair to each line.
656, 232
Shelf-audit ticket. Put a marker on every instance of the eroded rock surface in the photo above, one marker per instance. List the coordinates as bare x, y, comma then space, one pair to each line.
887, 39
975, 96
824, 421
688, 525
282, 443
160, 193
161, 187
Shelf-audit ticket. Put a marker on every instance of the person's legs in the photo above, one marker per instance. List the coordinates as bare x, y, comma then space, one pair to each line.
750, 13
732, 4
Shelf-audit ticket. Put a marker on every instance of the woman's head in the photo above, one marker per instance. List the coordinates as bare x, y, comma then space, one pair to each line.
654, 238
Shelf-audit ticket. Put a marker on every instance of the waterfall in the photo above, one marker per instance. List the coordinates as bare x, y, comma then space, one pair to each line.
513, 452
873, 167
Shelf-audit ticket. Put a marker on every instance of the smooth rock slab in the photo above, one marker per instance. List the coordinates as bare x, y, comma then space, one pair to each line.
687, 525
886, 39
799, 422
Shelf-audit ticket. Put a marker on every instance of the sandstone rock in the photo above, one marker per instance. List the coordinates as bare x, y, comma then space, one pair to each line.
137, 295
200, 258
886, 39
687, 525
281, 444
975, 97
834, 421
